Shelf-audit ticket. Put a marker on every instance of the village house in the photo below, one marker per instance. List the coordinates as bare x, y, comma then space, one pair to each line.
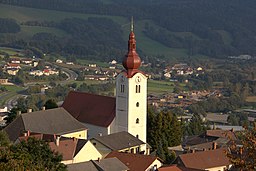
46, 122
137, 162
36, 73
211, 160
3, 81
27, 61
110, 164
12, 66
12, 71
121, 142
59, 61
15, 60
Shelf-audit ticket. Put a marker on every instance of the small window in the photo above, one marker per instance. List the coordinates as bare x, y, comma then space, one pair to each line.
137, 104
94, 144
137, 121
79, 135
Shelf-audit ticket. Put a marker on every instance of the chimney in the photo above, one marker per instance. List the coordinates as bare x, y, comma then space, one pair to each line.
214, 145
29, 110
18, 112
43, 108
28, 133
57, 141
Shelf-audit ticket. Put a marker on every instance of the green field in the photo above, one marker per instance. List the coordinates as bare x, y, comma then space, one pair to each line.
147, 45
160, 87
11, 51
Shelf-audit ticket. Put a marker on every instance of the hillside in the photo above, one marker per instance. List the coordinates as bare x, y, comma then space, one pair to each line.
98, 30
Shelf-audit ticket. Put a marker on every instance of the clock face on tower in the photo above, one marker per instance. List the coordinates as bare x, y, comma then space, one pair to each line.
138, 79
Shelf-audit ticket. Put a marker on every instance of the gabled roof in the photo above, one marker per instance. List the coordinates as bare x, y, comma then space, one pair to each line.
176, 168
135, 162
221, 134
119, 141
66, 148
111, 164
53, 121
205, 159
90, 108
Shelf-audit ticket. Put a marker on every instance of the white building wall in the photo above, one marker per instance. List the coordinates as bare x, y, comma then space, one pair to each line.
156, 163
127, 111
87, 153
221, 168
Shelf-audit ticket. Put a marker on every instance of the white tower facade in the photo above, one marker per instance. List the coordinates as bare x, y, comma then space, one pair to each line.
131, 95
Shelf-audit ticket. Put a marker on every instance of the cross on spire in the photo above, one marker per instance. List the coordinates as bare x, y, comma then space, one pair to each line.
132, 25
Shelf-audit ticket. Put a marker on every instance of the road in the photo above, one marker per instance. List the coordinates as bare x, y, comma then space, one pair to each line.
12, 101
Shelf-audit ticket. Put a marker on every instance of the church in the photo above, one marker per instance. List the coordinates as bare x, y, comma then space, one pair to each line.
104, 115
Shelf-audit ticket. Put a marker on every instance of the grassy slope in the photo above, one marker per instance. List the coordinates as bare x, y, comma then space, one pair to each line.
23, 14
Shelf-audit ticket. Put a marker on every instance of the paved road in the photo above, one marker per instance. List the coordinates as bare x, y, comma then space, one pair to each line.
11, 102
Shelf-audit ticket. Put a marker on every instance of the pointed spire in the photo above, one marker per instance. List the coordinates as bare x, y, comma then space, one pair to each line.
132, 60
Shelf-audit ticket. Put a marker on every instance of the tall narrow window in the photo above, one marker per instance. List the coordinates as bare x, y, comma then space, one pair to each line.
137, 88
122, 88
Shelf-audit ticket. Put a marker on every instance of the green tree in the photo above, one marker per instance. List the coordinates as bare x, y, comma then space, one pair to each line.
30, 155
244, 157
50, 104
195, 126
4, 140
163, 130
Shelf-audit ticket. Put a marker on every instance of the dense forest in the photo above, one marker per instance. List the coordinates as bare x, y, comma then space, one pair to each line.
216, 28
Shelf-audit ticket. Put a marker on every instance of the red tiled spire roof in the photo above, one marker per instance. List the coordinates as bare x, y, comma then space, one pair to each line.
132, 60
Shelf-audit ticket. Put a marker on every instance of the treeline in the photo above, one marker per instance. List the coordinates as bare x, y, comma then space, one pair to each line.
94, 38
8, 26
218, 28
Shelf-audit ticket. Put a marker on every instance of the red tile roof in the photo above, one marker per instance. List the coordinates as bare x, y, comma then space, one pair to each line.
135, 162
205, 159
176, 168
221, 134
90, 108
66, 147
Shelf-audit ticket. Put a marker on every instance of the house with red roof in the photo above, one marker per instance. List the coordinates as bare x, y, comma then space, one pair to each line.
137, 162
211, 160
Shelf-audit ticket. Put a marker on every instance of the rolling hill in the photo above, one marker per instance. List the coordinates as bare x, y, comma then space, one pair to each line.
167, 29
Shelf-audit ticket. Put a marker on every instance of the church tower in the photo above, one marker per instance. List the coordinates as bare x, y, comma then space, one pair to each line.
131, 94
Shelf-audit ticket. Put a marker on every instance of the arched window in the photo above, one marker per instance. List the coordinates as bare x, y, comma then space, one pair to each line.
137, 121
137, 104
